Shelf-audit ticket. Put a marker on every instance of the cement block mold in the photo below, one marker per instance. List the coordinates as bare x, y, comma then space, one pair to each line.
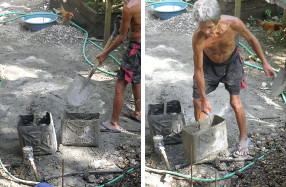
80, 129
206, 137
37, 131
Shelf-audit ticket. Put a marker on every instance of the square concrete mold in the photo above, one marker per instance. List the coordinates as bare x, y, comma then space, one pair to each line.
206, 137
38, 131
80, 129
166, 119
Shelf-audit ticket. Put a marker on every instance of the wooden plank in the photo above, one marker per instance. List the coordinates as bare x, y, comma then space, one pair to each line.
107, 20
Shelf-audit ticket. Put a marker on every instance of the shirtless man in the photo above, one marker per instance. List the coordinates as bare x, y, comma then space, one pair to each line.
130, 70
217, 59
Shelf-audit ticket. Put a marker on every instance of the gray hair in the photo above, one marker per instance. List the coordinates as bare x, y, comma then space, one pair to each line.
206, 10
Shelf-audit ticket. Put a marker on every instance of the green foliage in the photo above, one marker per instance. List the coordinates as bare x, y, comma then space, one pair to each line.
251, 20
279, 38
268, 14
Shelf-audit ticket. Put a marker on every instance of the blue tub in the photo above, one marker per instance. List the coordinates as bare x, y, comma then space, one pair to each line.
39, 20
168, 10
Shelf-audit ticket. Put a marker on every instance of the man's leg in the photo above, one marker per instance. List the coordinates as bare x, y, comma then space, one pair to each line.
136, 88
118, 101
198, 110
235, 103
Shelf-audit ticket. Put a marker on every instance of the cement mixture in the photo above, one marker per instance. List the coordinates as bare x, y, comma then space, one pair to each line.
169, 76
36, 70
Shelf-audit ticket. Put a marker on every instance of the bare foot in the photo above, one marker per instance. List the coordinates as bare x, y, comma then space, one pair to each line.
243, 147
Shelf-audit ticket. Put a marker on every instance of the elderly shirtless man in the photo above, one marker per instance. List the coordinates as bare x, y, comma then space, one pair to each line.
130, 70
217, 59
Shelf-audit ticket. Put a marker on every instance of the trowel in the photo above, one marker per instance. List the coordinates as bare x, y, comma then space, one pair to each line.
279, 83
81, 90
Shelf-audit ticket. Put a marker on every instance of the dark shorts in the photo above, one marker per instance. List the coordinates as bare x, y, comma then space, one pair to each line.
130, 69
229, 72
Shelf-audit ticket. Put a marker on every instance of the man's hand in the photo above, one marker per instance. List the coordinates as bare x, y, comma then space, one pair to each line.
269, 72
101, 57
206, 106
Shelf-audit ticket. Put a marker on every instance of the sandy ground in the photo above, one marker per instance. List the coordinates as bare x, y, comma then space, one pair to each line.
169, 76
37, 68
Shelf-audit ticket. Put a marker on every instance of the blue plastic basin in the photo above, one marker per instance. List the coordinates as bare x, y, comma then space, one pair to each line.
168, 10
39, 20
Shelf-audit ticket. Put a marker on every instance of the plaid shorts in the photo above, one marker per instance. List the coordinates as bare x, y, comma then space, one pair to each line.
130, 69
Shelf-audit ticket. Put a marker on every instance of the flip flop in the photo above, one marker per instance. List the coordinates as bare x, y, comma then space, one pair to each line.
109, 129
236, 153
131, 115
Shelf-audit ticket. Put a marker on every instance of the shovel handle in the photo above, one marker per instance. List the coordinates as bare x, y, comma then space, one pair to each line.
107, 45
96, 64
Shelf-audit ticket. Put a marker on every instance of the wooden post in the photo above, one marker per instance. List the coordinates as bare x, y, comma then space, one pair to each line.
237, 8
63, 172
107, 20
284, 18
192, 184
237, 11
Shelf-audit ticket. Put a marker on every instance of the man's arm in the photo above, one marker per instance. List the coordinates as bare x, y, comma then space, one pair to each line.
199, 73
124, 26
254, 44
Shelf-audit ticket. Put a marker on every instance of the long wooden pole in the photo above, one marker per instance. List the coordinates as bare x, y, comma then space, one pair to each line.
284, 18
107, 20
63, 173
237, 8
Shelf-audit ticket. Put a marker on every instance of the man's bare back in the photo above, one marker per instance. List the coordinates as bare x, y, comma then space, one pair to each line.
131, 21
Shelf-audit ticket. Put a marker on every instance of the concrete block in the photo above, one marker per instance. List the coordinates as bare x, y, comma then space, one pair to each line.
206, 137
166, 119
80, 129
37, 131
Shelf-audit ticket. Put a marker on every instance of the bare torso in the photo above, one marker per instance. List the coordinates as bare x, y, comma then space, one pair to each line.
135, 25
221, 44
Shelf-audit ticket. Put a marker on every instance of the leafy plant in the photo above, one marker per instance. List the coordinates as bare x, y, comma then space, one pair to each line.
268, 14
251, 20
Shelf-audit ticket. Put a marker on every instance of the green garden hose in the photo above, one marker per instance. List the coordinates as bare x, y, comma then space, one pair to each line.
202, 179
15, 178
194, 178
83, 50
34, 182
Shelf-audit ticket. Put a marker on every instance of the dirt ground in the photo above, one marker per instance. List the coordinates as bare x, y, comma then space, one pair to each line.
37, 68
169, 76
